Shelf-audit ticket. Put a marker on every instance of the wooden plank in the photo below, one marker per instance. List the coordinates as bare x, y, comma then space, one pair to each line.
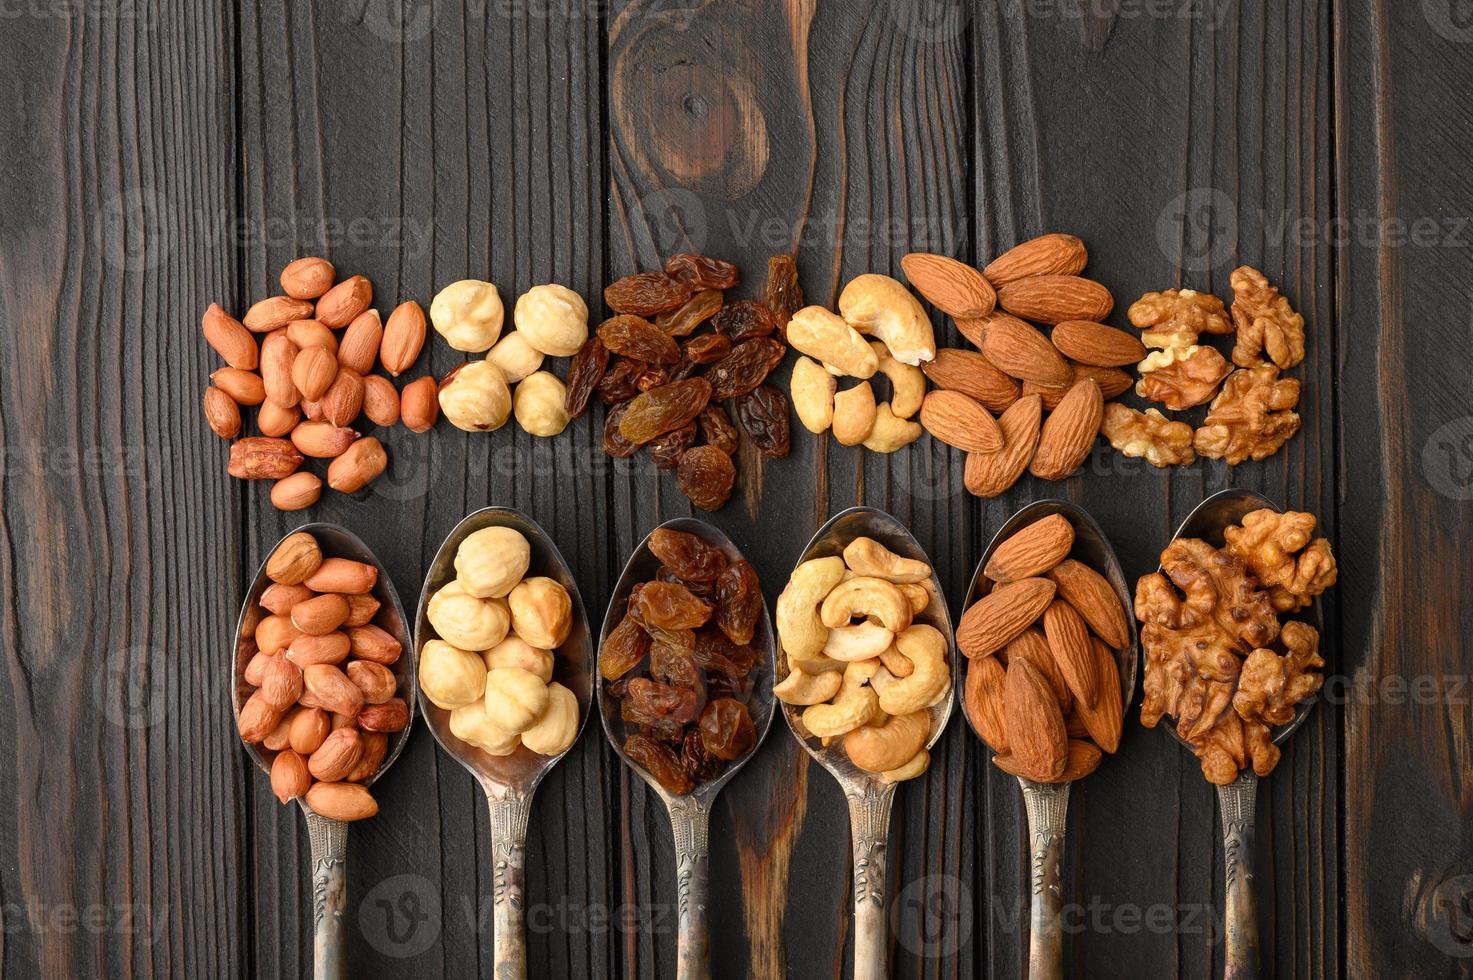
420, 147
1405, 435
118, 544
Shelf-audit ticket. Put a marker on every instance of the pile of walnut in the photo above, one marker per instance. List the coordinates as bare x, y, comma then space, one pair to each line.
664, 380
1217, 660
1251, 413
492, 665
681, 665
312, 384
325, 698
856, 660
1043, 684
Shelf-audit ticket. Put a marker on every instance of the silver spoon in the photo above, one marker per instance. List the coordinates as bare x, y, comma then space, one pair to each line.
870, 796
509, 781
690, 815
1237, 801
1048, 803
329, 837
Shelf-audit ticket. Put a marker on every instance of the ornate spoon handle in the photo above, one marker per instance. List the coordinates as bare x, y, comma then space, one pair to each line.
1237, 802
1047, 805
690, 821
508, 850
869, 827
329, 896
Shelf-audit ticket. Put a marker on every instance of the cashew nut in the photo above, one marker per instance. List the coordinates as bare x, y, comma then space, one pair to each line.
820, 334
924, 647
907, 382
801, 687
866, 556
890, 433
799, 628
917, 765
916, 595
813, 389
881, 307
897, 663
860, 642
878, 747
855, 704
854, 414
866, 596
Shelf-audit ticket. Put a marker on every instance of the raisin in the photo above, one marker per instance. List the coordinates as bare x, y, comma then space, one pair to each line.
652, 378
669, 664
666, 450
696, 310
706, 475
584, 374
783, 295
744, 320
746, 367
621, 382
614, 442
636, 337
668, 606
707, 348
663, 701
661, 409
702, 271
705, 590
688, 555
727, 730
623, 650
738, 601
718, 430
763, 414
714, 651
645, 294
699, 764
660, 762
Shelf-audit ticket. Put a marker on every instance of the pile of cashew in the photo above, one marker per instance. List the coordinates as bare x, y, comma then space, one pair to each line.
835, 346
862, 669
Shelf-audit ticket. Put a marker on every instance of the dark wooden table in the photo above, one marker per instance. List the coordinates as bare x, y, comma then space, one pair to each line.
157, 157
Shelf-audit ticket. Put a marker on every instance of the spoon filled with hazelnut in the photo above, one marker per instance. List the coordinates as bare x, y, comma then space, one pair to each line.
505, 682
685, 665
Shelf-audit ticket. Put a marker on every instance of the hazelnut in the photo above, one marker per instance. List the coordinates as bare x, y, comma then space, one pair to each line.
555, 731
471, 724
539, 404
541, 612
466, 621
553, 318
468, 314
475, 397
490, 562
517, 652
515, 356
515, 698
450, 676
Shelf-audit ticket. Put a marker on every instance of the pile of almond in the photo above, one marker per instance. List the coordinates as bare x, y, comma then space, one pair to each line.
310, 378
1043, 685
324, 697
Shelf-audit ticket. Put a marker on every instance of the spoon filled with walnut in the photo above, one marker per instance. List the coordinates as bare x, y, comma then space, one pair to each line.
505, 682
866, 684
321, 686
1235, 678
1051, 660
685, 665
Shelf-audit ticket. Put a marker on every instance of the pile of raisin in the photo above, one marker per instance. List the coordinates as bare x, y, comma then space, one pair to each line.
676, 363
681, 665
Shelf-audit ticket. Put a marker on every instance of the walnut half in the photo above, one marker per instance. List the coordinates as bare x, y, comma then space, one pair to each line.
1148, 435
1175, 317
1251, 418
1266, 322
1278, 550
1182, 377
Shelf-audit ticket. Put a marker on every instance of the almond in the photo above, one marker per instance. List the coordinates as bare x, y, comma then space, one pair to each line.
1069, 432
1020, 351
343, 400
222, 413
361, 610
1001, 615
1097, 344
973, 375
953, 287
328, 688
243, 386
289, 776
419, 404
309, 729
341, 801
376, 681
1032, 646
277, 355
313, 371
342, 303
1112, 382
972, 328
1104, 720
343, 575
1037, 741
404, 336
358, 466
295, 558
1054, 299
310, 333
374, 644
1032, 550
263, 458
375, 747
274, 420
390, 716
275, 312
990, 474
322, 440
337, 755
982, 697
1068, 638
278, 599
307, 278
1092, 597
380, 400
958, 421
361, 341
324, 648
281, 683
231, 340
1047, 255
321, 614
1083, 759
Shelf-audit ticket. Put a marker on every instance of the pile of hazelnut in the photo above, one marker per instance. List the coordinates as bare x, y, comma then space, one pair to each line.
492, 665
